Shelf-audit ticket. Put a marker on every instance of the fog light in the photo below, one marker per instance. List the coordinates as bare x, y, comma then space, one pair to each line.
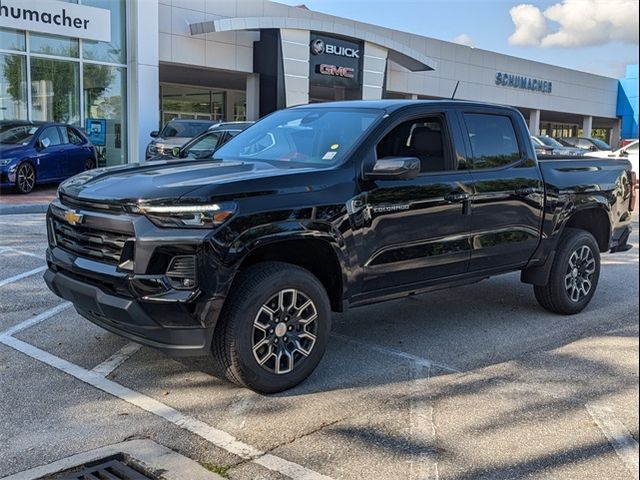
182, 272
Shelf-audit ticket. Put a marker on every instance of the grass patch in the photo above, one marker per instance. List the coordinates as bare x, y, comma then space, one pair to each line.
222, 470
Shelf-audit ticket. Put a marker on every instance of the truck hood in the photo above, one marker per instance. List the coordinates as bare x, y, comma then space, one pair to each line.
170, 180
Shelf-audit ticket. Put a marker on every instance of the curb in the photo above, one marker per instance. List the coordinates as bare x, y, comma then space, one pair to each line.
148, 453
24, 208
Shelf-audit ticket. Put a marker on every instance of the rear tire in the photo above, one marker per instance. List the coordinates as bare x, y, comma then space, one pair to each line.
274, 327
574, 274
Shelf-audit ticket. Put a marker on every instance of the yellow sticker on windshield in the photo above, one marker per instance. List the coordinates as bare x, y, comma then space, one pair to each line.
334, 146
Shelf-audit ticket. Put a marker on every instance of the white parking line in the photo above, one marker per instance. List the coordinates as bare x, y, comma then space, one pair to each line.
618, 435
422, 429
217, 437
20, 276
35, 320
4, 249
395, 353
117, 359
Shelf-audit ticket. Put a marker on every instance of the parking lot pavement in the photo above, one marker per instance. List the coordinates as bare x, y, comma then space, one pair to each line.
474, 382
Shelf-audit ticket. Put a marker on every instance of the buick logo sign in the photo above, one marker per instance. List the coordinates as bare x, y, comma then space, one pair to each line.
317, 46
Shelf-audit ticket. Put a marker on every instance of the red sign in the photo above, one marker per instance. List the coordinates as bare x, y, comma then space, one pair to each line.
336, 71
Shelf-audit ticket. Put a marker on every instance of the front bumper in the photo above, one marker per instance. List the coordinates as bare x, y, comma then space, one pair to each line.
138, 302
128, 318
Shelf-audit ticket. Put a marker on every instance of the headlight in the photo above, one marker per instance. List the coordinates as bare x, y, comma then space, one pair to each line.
6, 161
189, 216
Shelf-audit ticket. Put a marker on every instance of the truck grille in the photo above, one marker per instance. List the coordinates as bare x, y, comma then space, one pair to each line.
89, 242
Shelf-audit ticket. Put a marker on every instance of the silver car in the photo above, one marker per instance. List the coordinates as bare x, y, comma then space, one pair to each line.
176, 133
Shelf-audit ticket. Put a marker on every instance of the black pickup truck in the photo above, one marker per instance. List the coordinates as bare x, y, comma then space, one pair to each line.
324, 207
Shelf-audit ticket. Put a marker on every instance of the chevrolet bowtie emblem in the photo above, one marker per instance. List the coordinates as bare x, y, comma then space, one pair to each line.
74, 218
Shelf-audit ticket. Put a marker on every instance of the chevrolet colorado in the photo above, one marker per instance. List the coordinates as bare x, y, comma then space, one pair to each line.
324, 207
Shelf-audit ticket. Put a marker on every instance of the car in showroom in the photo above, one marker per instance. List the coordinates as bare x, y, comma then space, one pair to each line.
546, 145
34, 153
204, 145
629, 151
585, 143
175, 133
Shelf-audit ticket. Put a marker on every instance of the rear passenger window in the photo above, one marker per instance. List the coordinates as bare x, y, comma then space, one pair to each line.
493, 140
74, 137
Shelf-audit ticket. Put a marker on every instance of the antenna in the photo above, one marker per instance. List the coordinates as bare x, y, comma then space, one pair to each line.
455, 90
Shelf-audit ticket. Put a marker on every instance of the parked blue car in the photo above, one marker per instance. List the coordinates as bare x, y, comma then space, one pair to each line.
35, 153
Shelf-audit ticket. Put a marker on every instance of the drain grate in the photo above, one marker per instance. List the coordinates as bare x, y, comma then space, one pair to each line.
106, 469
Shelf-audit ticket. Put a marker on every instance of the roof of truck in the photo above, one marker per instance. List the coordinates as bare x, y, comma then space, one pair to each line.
393, 104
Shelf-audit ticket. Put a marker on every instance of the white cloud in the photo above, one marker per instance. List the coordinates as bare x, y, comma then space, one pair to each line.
531, 26
463, 39
576, 23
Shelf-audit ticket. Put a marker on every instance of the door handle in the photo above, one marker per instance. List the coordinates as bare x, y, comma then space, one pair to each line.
525, 191
457, 197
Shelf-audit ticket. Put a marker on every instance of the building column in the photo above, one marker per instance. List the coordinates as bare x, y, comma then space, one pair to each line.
534, 122
143, 85
253, 96
229, 102
587, 126
374, 67
295, 62
615, 134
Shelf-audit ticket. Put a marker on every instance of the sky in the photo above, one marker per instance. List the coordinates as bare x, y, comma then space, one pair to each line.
596, 36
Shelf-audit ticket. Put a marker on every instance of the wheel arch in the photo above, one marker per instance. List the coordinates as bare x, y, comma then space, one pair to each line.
594, 220
317, 255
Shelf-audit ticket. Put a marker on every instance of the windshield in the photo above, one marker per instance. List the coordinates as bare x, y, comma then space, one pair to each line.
202, 147
600, 144
550, 142
320, 136
183, 129
21, 134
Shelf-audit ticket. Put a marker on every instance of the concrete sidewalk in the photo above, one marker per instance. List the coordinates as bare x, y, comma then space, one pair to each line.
34, 202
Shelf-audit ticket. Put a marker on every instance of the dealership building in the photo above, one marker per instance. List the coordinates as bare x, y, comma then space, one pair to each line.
121, 69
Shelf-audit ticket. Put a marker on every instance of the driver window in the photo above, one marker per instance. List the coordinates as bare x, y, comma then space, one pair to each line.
423, 138
204, 147
51, 133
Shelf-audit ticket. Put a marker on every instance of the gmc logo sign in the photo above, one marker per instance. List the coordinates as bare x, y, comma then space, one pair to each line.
335, 71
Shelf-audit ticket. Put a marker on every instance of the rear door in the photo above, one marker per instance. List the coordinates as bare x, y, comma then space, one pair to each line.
418, 230
77, 153
508, 191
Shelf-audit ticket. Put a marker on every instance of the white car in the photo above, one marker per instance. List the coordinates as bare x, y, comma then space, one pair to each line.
630, 152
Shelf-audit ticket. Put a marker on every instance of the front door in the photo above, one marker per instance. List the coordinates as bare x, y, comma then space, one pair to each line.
417, 230
51, 157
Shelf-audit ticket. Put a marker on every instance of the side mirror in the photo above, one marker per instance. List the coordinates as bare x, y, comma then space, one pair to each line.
154, 134
175, 152
394, 168
43, 143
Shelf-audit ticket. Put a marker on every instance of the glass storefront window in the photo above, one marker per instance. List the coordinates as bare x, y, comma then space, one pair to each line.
11, 39
13, 87
53, 45
115, 51
104, 99
55, 86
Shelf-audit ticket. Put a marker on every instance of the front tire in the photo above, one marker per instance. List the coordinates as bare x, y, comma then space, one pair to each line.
25, 178
574, 274
274, 327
